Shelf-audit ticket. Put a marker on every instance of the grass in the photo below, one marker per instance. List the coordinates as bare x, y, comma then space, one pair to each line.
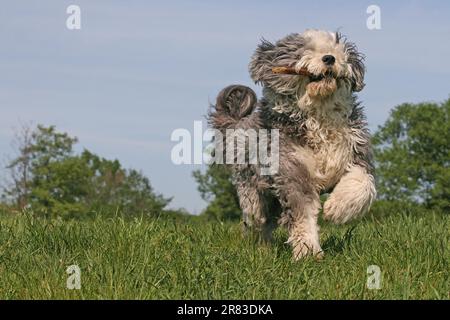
162, 259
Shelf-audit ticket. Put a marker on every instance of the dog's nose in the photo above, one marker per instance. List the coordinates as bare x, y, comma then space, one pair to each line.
328, 59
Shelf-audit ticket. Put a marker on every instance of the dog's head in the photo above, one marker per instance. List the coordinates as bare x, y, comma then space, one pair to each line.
332, 62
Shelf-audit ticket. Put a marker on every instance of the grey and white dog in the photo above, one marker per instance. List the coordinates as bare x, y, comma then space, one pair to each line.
324, 145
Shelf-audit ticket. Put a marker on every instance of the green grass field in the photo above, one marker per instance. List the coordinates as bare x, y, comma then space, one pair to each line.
163, 259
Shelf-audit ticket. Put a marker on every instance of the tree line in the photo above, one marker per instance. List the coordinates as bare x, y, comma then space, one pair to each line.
46, 175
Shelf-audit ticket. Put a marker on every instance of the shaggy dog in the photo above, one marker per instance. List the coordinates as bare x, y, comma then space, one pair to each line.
324, 145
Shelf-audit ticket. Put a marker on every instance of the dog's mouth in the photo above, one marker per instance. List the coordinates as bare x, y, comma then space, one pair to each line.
322, 85
327, 76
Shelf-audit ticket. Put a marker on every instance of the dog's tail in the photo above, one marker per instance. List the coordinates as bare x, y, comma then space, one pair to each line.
233, 108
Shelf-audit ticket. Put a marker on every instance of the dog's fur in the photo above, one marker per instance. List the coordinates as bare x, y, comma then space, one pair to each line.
324, 143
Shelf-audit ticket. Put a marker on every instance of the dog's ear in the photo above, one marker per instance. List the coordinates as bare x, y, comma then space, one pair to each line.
262, 61
356, 61
285, 53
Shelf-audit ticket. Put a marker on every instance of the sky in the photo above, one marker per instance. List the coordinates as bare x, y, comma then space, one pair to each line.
138, 70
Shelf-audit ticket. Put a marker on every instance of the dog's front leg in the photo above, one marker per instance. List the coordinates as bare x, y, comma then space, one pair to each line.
351, 197
300, 204
304, 230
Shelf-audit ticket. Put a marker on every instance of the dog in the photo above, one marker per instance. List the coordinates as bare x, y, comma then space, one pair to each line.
324, 143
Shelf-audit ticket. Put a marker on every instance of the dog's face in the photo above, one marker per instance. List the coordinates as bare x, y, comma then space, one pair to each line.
334, 64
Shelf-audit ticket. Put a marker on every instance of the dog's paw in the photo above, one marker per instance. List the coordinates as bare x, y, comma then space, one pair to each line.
302, 248
335, 211
351, 197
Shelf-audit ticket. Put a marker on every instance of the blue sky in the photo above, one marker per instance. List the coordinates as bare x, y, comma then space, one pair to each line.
137, 70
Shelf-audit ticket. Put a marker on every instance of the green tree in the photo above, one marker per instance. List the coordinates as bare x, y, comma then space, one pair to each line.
37, 150
58, 180
114, 188
412, 152
216, 187
49, 178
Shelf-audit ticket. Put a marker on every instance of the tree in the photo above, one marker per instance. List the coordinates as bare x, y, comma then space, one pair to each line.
19, 168
412, 153
57, 180
115, 188
216, 187
36, 151
49, 178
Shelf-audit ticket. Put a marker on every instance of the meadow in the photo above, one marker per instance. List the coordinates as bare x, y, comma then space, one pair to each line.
161, 258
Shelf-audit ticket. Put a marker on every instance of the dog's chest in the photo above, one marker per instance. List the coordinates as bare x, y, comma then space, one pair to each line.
330, 149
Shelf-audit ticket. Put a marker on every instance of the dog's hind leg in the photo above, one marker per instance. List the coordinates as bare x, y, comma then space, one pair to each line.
259, 211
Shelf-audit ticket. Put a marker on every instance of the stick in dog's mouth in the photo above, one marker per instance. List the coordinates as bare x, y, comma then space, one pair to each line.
302, 72
290, 70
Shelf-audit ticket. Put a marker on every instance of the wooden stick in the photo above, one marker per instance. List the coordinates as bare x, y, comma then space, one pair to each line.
290, 70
